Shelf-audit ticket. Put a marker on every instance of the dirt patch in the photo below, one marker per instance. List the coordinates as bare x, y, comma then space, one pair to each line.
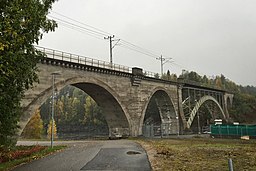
200, 154
151, 152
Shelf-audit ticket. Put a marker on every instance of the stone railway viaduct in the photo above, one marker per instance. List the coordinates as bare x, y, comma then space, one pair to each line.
125, 95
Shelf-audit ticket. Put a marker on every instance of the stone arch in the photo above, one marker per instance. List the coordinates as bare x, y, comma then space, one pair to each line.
119, 116
170, 111
199, 104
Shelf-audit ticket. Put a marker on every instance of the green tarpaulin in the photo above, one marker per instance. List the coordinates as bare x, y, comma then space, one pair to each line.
234, 130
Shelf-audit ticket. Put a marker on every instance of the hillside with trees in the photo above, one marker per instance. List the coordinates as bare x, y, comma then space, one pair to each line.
244, 102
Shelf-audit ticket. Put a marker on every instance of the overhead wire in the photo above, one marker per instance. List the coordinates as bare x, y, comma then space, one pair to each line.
81, 30
134, 47
137, 50
106, 33
98, 33
149, 51
93, 31
75, 25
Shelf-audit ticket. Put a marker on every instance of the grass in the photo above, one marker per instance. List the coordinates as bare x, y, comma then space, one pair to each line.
24, 154
200, 154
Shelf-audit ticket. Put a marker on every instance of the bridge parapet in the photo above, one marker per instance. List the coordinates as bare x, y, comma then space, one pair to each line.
56, 56
68, 57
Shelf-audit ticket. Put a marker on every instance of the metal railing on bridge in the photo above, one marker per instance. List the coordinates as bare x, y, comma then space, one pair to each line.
68, 57
78, 59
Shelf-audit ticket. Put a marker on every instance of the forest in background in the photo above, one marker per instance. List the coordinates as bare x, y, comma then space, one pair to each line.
244, 102
78, 115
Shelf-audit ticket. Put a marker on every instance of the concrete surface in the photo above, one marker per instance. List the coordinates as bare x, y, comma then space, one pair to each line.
122, 155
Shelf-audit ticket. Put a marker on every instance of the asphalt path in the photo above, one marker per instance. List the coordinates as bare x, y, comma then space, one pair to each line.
123, 155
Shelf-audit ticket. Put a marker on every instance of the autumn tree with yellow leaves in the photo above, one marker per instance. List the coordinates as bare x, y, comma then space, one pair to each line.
34, 128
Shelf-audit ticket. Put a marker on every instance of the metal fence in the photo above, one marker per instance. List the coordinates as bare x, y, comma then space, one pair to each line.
233, 130
68, 57
163, 130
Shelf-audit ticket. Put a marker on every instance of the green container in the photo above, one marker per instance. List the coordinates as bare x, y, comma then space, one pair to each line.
233, 130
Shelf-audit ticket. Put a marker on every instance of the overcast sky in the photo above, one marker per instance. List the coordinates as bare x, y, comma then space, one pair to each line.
210, 37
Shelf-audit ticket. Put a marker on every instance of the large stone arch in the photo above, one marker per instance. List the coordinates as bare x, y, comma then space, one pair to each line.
115, 113
199, 104
164, 116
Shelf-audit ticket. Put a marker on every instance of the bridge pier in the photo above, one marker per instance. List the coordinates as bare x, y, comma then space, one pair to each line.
228, 102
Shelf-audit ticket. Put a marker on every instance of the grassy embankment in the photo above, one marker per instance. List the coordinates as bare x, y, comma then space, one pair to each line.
200, 154
24, 154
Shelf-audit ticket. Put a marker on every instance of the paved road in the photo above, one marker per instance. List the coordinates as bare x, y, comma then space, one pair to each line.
120, 155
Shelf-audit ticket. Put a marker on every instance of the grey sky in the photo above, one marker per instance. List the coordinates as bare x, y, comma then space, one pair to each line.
211, 37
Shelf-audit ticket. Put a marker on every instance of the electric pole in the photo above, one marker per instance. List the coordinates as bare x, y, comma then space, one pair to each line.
53, 96
198, 123
110, 42
162, 62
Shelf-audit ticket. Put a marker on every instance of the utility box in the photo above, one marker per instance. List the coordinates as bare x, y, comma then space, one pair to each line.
137, 71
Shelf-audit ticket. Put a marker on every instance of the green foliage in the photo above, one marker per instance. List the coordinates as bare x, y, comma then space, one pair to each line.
248, 90
26, 154
218, 82
156, 76
22, 25
168, 76
93, 114
243, 109
34, 128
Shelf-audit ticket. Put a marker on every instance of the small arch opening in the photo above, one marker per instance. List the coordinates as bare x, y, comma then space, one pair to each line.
160, 117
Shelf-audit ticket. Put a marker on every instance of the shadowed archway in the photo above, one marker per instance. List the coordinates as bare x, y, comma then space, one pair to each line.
160, 111
114, 114
104, 96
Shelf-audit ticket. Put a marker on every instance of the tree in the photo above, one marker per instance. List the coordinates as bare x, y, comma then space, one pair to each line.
174, 77
93, 114
22, 24
168, 75
205, 80
34, 128
223, 81
193, 76
156, 76
163, 76
49, 130
218, 82
90, 109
